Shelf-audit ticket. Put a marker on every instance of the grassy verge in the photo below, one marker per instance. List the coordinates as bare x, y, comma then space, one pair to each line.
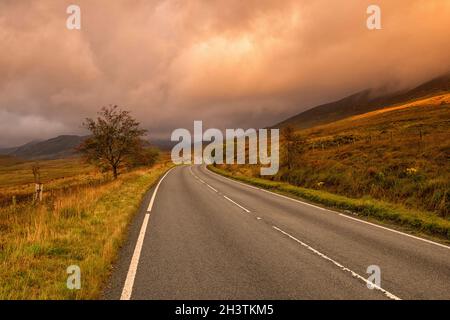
85, 228
424, 222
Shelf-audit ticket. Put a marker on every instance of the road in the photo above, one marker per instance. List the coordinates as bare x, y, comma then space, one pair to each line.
203, 236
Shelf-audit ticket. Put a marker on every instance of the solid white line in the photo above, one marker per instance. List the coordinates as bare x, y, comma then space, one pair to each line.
395, 231
212, 188
248, 211
332, 211
129, 282
354, 274
150, 206
271, 192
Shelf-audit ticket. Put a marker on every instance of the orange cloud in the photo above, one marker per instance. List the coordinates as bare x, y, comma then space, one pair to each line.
230, 63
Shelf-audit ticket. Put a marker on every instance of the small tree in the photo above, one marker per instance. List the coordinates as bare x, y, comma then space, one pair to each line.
116, 139
36, 168
38, 186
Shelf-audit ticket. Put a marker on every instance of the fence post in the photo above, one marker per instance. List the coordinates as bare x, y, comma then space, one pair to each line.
38, 191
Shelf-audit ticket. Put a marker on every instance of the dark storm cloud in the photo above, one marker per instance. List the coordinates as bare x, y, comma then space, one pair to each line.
230, 63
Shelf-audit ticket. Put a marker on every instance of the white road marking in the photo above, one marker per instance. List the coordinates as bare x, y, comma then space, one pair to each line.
335, 212
150, 206
248, 211
354, 274
395, 231
273, 193
212, 188
129, 282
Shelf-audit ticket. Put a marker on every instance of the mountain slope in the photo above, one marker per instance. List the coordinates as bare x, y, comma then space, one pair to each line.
55, 148
363, 102
398, 155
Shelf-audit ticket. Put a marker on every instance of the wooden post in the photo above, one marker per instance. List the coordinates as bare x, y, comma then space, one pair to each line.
38, 191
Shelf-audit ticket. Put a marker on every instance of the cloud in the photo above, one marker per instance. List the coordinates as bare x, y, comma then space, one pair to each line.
230, 63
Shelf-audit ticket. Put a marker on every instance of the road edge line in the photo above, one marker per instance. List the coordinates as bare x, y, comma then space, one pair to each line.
131, 275
332, 211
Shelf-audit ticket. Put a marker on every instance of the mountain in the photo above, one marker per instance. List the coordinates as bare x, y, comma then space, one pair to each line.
55, 148
11, 150
363, 102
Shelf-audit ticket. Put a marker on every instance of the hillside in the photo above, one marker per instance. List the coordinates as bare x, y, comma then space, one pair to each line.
55, 148
398, 154
363, 102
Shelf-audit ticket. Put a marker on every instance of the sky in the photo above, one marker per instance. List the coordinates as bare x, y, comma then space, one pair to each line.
230, 63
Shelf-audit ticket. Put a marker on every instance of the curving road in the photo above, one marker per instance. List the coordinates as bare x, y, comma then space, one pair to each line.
202, 236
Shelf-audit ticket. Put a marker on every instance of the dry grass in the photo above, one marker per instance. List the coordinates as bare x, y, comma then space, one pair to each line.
84, 227
16, 177
414, 221
397, 156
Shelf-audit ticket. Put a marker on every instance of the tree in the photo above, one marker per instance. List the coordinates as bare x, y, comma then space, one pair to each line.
116, 139
36, 169
147, 157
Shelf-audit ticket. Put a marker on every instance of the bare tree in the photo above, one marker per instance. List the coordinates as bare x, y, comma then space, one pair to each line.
116, 139
36, 168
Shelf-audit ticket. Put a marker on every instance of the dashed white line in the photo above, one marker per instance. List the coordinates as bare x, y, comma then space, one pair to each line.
395, 231
335, 212
129, 281
354, 274
212, 188
248, 211
273, 193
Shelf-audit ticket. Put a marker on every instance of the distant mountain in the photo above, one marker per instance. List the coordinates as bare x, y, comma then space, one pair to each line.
363, 102
11, 150
55, 148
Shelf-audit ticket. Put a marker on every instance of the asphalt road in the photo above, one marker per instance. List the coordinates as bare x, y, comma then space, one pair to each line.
207, 237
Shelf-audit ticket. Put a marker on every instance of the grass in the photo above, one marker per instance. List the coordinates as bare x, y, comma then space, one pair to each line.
84, 227
15, 172
398, 155
64, 175
391, 164
424, 222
